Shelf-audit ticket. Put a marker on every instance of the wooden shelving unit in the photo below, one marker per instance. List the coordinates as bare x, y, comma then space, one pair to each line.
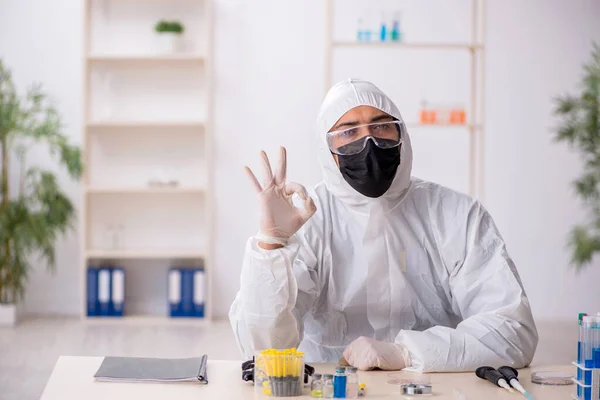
122, 144
475, 48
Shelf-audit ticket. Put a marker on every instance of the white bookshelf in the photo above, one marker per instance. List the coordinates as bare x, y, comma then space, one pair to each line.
147, 113
460, 51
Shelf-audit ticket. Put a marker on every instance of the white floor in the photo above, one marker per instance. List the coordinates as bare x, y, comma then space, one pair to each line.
29, 352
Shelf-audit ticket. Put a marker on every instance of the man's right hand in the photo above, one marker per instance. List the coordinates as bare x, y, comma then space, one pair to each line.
279, 218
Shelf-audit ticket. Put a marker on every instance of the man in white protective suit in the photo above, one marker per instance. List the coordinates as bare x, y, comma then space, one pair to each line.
378, 268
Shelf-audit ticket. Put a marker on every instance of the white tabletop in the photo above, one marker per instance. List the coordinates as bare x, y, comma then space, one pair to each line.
73, 378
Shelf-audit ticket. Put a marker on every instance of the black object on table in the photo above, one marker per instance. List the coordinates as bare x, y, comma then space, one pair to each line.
492, 375
508, 373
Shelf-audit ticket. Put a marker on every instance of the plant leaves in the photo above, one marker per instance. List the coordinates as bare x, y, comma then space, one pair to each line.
32, 221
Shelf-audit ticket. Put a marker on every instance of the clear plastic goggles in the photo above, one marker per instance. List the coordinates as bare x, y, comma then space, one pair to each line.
385, 135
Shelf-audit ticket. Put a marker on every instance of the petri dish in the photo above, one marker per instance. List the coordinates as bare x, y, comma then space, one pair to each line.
553, 378
416, 390
411, 384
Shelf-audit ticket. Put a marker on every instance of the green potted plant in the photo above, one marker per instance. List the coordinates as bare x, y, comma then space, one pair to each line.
169, 35
34, 211
580, 128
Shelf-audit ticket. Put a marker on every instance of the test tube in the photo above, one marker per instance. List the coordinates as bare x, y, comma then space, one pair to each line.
579, 351
595, 343
281, 373
298, 373
277, 379
295, 370
284, 374
586, 352
272, 372
289, 373
596, 349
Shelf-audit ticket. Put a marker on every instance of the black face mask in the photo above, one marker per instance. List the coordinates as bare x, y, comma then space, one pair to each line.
372, 171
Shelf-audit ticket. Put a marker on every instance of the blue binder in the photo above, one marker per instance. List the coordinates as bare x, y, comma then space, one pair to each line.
104, 291
174, 285
187, 292
118, 291
93, 307
199, 292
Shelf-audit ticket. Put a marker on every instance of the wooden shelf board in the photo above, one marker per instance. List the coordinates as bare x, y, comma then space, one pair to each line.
144, 254
416, 45
146, 320
145, 124
457, 126
154, 58
144, 190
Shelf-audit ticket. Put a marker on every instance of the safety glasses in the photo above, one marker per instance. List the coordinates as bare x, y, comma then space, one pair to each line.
385, 135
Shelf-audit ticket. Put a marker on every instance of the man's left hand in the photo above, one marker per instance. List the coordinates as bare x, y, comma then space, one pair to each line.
365, 354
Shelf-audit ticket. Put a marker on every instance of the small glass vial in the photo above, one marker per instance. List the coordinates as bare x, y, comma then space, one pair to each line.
328, 386
316, 386
339, 383
352, 383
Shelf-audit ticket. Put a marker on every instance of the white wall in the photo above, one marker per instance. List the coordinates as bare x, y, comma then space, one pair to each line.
269, 71
536, 52
41, 41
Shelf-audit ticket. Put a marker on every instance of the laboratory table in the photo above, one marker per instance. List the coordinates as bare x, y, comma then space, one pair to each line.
73, 378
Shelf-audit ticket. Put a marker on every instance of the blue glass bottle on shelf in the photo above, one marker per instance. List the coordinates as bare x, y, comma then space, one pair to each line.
383, 29
360, 33
396, 35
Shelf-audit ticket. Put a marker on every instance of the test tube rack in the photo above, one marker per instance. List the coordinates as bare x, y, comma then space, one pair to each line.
593, 386
279, 373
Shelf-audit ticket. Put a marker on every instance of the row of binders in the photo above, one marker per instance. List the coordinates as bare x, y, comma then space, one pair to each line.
186, 292
106, 292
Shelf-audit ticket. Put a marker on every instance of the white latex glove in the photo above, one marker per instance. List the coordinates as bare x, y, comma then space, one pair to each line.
365, 354
279, 218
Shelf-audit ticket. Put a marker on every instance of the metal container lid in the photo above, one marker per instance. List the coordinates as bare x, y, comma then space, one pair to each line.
412, 389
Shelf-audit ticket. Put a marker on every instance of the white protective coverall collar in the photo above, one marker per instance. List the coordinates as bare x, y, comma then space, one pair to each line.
423, 266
